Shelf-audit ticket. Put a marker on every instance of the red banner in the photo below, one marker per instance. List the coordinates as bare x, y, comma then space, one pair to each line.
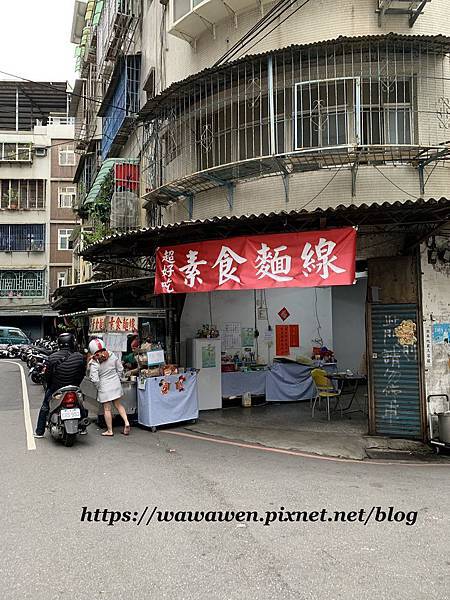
306, 259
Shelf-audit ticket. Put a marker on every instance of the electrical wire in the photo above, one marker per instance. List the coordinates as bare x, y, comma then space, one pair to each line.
394, 184
323, 189
276, 26
236, 46
319, 326
57, 90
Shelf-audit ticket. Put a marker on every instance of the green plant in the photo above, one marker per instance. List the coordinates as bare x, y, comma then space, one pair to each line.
99, 231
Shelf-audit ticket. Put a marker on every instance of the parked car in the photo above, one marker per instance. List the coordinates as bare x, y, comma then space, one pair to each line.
12, 336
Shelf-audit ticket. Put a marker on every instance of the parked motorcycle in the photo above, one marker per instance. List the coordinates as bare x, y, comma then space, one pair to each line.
65, 421
37, 373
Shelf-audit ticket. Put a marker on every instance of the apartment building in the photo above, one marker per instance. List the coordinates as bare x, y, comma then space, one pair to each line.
37, 165
212, 119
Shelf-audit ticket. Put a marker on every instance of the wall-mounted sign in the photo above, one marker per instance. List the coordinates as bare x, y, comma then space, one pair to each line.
306, 259
284, 313
113, 324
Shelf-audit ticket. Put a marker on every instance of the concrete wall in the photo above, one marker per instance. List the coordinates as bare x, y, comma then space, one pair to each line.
318, 20
229, 306
268, 194
436, 309
349, 324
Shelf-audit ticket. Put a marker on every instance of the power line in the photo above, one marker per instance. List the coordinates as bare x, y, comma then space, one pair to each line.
393, 183
51, 87
323, 189
277, 25
253, 29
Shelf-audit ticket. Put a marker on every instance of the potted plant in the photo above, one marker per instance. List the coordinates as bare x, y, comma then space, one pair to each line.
13, 201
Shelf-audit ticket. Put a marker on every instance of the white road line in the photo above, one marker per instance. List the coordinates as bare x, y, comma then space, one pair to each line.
31, 445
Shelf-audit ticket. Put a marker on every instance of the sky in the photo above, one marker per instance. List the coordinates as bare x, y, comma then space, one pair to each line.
35, 39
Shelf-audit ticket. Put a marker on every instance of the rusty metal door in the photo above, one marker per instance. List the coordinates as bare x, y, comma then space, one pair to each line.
395, 406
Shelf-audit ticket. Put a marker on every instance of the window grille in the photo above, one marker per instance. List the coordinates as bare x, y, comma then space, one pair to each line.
22, 238
28, 194
22, 284
343, 96
124, 102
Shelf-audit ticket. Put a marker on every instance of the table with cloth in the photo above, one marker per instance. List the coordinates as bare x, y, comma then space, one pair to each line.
282, 382
169, 399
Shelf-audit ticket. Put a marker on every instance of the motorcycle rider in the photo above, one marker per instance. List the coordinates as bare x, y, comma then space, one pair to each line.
65, 367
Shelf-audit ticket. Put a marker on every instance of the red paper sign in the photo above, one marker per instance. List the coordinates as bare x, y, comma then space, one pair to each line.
282, 340
284, 314
307, 259
294, 336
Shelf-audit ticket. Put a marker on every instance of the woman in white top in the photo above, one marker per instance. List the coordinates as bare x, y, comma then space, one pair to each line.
105, 370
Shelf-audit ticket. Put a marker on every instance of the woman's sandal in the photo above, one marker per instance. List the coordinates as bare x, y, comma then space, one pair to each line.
126, 430
106, 434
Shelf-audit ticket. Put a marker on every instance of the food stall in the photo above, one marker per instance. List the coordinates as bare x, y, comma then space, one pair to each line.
118, 327
166, 393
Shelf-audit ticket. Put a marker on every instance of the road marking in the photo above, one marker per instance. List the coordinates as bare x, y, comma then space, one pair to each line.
31, 445
215, 440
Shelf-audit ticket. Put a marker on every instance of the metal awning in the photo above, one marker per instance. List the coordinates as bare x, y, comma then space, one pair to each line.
151, 313
102, 174
300, 161
80, 295
417, 218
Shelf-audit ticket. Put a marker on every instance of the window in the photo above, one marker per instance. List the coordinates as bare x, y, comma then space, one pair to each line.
64, 242
62, 278
66, 156
346, 111
149, 85
181, 8
26, 194
387, 112
18, 284
66, 196
22, 238
15, 152
327, 113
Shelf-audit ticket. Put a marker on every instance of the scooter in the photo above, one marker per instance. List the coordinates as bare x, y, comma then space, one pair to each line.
37, 372
65, 421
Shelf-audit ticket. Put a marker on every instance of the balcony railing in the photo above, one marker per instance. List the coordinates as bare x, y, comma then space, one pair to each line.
22, 194
114, 25
18, 284
385, 94
22, 238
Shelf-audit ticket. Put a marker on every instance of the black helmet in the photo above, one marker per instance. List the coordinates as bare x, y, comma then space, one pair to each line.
66, 340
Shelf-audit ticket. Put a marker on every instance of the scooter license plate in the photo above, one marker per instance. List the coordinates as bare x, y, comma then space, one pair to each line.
70, 413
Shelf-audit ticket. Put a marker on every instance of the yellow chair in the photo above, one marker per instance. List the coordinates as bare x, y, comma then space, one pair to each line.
325, 389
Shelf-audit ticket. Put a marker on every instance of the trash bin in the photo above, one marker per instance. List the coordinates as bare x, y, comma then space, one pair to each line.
444, 427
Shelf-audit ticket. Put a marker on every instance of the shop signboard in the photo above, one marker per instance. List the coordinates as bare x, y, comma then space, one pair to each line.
97, 324
302, 259
113, 324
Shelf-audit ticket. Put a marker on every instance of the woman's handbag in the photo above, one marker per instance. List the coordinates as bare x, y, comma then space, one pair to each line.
88, 389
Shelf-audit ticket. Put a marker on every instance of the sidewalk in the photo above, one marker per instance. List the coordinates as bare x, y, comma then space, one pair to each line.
290, 427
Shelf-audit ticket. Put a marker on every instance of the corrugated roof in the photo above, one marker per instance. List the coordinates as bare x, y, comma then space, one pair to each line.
146, 239
151, 107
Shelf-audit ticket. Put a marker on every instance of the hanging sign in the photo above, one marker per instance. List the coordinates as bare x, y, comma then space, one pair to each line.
113, 324
306, 259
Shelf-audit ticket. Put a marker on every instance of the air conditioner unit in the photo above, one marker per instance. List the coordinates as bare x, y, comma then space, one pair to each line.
37, 246
40, 151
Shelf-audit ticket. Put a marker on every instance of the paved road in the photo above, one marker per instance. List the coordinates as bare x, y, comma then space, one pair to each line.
47, 553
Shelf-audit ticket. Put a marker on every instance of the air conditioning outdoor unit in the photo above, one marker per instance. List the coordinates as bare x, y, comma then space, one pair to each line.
37, 246
40, 151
